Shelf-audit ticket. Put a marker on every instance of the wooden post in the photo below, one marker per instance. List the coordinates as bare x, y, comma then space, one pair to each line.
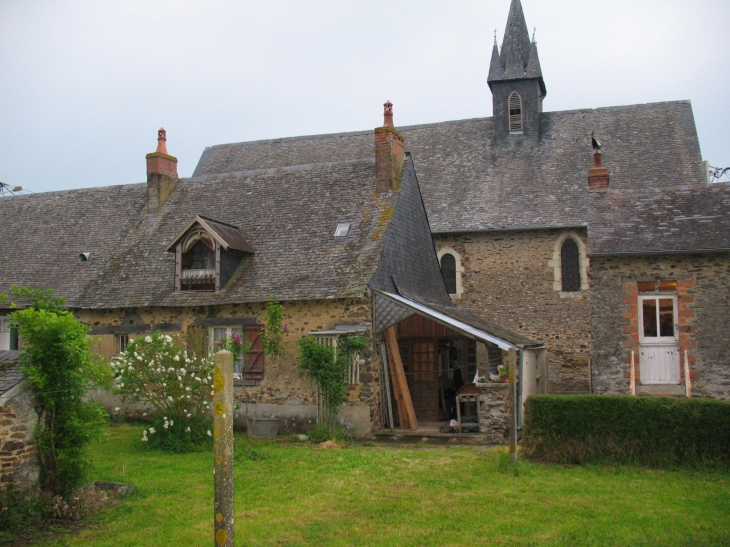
512, 364
386, 395
632, 382
687, 379
223, 449
402, 393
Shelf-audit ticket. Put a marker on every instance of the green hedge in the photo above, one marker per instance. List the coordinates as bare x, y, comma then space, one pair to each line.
652, 431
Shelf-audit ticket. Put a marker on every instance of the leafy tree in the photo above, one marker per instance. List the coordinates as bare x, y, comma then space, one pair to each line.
60, 367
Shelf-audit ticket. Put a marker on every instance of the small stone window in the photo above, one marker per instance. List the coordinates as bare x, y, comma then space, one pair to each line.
448, 272
451, 271
570, 266
515, 113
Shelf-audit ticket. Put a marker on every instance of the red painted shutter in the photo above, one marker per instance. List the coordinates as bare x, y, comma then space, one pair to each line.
255, 358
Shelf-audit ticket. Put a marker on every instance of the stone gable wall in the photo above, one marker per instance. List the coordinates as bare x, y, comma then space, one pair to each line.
509, 279
703, 294
18, 452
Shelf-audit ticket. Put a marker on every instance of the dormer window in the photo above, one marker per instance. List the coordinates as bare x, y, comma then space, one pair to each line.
515, 113
207, 253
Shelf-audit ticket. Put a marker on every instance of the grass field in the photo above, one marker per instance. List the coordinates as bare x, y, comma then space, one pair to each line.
400, 496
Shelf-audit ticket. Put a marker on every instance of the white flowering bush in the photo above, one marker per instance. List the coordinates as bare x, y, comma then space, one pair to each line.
177, 384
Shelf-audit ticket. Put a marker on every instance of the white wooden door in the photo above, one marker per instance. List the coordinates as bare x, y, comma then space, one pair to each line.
659, 339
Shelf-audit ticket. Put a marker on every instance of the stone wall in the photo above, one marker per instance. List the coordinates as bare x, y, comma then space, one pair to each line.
703, 293
512, 279
283, 385
494, 413
18, 453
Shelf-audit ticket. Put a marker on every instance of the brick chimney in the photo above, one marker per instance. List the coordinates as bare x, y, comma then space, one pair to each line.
598, 174
161, 174
389, 153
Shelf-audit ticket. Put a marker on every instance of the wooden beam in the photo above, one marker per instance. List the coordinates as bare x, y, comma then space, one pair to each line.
403, 394
402, 416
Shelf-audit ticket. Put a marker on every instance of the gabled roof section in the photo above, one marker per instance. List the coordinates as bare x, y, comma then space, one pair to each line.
408, 263
288, 216
468, 185
228, 236
680, 219
42, 235
464, 321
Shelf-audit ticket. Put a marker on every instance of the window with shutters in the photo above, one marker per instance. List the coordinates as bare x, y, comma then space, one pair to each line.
248, 370
570, 266
451, 271
515, 113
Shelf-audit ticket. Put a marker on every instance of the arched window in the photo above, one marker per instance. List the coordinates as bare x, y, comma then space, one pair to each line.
570, 266
448, 272
515, 113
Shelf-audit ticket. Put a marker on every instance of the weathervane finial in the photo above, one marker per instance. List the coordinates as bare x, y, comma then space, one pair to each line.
534, 31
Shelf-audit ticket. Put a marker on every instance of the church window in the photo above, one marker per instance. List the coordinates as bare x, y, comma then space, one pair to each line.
451, 271
570, 266
515, 113
448, 272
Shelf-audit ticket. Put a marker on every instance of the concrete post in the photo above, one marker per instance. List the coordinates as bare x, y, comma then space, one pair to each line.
223, 448
512, 363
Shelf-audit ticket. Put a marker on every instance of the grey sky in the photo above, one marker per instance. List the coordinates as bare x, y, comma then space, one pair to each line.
84, 85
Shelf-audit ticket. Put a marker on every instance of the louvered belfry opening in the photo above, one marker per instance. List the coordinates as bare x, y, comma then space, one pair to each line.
515, 113
448, 272
570, 266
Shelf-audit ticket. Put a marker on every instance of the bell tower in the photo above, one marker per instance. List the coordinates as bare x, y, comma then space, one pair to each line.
515, 79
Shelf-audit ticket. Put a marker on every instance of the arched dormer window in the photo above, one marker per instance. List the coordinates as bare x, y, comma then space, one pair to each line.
451, 271
570, 265
515, 113
207, 254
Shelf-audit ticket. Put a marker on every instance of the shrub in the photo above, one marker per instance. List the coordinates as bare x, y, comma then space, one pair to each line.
176, 383
60, 367
651, 431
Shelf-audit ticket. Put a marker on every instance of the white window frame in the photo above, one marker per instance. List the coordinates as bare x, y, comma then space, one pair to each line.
331, 340
658, 340
122, 340
6, 333
459, 270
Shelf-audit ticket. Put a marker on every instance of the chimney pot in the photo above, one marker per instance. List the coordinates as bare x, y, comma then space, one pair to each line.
388, 114
161, 141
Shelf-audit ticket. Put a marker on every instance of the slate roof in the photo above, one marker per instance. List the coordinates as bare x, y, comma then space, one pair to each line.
677, 219
469, 185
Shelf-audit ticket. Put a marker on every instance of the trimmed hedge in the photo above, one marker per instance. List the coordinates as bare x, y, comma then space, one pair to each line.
653, 431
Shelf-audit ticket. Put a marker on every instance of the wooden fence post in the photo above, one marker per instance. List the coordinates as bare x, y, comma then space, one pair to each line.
223, 449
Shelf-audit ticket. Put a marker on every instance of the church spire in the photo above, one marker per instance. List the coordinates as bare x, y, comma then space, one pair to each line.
495, 66
516, 43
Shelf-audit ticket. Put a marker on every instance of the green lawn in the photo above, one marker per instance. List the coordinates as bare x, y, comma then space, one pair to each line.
409, 496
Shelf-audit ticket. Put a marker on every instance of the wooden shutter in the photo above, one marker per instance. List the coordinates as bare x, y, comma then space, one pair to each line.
515, 112
255, 358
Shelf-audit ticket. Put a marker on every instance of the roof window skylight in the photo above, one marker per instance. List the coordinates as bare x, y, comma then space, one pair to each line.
343, 228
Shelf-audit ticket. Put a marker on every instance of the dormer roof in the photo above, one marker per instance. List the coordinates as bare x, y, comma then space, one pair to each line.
227, 235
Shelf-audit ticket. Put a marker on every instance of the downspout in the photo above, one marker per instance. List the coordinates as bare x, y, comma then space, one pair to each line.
519, 389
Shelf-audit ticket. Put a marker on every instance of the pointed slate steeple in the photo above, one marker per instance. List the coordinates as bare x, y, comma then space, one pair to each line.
495, 66
516, 43
515, 78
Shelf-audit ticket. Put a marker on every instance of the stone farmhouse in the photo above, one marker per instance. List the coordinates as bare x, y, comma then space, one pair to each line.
447, 244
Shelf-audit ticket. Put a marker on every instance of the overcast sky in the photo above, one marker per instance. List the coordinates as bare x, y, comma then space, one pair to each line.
84, 85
